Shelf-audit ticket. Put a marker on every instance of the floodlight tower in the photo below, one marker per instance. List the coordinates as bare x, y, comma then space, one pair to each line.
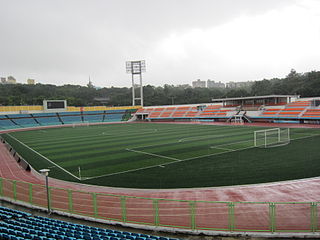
136, 68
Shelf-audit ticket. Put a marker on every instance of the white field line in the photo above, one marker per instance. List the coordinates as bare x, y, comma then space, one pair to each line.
214, 154
159, 165
153, 154
111, 133
127, 171
188, 139
153, 166
44, 157
239, 148
182, 160
182, 140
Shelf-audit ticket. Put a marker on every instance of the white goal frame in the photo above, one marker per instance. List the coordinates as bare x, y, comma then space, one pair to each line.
282, 139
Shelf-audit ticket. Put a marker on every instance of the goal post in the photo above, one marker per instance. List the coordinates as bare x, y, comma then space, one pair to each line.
271, 137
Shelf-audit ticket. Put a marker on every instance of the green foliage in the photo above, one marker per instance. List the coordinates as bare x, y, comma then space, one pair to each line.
306, 85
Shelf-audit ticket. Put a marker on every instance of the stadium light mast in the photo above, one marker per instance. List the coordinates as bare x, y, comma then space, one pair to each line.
136, 68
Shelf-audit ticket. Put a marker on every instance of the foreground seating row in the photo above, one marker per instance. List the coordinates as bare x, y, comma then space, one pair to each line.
18, 225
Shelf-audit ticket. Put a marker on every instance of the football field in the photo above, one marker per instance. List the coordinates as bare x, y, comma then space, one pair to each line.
154, 155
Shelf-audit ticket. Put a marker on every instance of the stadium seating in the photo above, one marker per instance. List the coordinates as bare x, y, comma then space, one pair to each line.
17, 225
13, 121
291, 110
47, 119
7, 124
93, 116
24, 120
113, 117
68, 117
186, 112
312, 113
299, 104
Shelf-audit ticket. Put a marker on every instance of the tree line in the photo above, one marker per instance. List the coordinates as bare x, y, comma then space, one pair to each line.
303, 84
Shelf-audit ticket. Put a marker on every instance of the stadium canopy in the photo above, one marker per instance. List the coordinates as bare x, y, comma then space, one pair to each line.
257, 100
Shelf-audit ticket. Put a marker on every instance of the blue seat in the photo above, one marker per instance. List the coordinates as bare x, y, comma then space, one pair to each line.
144, 235
114, 238
140, 238
87, 237
28, 236
5, 236
163, 238
13, 237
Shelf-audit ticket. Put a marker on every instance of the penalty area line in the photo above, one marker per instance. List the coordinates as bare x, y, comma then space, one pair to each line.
44, 157
153, 154
137, 169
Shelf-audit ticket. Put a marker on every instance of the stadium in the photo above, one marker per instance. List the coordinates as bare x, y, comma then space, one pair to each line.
245, 166
159, 120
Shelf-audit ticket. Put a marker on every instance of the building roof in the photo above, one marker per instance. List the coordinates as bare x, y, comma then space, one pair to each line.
253, 98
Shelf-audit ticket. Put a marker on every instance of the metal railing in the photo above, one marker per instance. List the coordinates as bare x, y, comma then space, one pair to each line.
192, 215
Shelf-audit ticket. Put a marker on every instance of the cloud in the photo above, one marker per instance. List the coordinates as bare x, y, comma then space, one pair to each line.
66, 41
249, 47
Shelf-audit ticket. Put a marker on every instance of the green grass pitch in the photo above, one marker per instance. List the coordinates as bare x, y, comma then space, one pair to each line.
154, 155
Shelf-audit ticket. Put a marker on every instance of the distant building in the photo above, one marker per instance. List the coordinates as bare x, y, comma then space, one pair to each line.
239, 84
3, 80
31, 81
213, 84
11, 80
199, 84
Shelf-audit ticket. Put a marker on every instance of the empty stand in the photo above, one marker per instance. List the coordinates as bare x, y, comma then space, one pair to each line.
13, 121
291, 110
45, 119
68, 117
18, 225
185, 112
93, 116
6, 123
113, 115
312, 113
24, 120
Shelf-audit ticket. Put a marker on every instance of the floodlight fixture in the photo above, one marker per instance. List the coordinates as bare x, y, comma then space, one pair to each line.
136, 68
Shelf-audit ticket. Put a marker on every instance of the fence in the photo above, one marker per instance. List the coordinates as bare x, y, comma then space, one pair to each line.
183, 214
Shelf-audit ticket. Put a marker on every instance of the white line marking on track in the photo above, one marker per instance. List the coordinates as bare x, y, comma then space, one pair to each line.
44, 157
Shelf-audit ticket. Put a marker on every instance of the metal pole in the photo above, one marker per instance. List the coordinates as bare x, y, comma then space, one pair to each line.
133, 95
48, 198
141, 89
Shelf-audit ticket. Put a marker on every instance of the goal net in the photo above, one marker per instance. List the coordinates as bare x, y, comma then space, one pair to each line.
273, 137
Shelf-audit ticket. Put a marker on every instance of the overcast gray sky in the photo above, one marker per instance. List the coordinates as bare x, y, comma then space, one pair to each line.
65, 41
